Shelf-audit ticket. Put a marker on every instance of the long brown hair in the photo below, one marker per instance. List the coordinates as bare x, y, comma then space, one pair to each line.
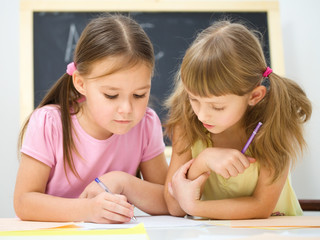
227, 58
104, 36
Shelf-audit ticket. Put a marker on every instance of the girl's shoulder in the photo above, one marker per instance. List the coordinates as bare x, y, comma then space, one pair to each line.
47, 113
149, 125
150, 117
48, 109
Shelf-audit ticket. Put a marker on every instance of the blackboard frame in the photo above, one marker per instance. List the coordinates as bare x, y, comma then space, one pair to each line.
29, 7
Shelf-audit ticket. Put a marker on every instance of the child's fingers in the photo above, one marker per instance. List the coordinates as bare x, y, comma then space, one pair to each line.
121, 197
117, 213
251, 159
233, 171
224, 173
111, 217
118, 199
110, 208
246, 160
181, 173
170, 190
199, 181
239, 166
185, 167
117, 205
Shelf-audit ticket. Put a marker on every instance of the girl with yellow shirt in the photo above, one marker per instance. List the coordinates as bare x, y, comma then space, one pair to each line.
223, 89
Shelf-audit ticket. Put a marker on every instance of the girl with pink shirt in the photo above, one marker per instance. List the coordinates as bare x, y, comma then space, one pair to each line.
94, 122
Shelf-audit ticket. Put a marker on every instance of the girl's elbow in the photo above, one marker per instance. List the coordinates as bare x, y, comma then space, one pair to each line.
176, 212
173, 206
22, 216
264, 213
20, 209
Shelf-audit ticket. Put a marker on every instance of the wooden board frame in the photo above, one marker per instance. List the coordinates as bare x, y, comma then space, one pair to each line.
28, 7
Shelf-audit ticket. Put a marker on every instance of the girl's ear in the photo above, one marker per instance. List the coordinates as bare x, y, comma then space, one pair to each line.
78, 83
257, 95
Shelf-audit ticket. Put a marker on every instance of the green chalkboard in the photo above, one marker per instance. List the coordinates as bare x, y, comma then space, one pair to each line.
56, 33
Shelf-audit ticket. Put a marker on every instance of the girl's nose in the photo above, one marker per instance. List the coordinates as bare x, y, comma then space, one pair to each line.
203, 114
125, 107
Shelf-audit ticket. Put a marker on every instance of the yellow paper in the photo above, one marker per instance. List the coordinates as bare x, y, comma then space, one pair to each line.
137, 230
15, 224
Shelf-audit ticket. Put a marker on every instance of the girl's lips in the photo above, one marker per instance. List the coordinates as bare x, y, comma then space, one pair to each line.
208, 126
123, 121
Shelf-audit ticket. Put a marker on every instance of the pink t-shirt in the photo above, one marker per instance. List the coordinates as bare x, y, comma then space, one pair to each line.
43, 141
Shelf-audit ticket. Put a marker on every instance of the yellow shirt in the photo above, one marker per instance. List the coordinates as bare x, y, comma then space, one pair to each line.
218, 187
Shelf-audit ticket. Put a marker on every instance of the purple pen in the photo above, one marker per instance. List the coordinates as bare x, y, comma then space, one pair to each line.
251, 137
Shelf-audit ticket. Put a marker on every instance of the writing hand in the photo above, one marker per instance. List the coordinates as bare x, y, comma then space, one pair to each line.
91, 191
109, 208
115, 181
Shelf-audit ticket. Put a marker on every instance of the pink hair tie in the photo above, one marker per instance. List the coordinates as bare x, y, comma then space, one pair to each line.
71, 68
267, 72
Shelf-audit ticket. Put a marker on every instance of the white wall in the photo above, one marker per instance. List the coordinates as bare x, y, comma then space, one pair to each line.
301, 34
301, 37
9, 102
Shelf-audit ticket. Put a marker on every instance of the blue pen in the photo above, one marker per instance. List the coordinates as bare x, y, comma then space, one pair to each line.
104, 187
251, 137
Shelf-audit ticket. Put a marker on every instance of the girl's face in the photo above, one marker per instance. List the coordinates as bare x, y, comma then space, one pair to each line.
115, 103
219, 113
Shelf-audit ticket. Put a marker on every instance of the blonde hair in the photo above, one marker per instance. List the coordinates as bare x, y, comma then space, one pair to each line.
105, 36
227, 58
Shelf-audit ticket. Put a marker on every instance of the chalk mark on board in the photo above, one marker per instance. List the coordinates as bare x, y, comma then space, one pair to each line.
147, 25
72, 41
159, 55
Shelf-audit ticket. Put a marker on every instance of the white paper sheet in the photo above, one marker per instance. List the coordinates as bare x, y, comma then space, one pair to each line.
149, 222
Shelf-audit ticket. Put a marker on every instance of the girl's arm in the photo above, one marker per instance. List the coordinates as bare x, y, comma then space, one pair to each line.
226, 162
176, 162
259, 205
146, 194
31, 202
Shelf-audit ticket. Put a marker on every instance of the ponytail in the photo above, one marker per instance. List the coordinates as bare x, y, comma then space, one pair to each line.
64, 94
283, 111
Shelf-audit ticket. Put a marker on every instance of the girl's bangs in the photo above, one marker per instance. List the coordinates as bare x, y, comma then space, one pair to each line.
205, 76
123, 62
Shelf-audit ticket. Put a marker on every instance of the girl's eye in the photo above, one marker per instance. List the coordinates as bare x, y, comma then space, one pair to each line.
111, 96
139, 96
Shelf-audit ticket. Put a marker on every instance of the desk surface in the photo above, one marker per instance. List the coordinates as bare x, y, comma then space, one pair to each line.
207, 230
223, 232
226, 232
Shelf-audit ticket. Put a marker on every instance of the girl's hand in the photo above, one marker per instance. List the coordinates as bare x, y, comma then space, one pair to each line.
225, 161
115, 181
186, 191
109, 208
92, 190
